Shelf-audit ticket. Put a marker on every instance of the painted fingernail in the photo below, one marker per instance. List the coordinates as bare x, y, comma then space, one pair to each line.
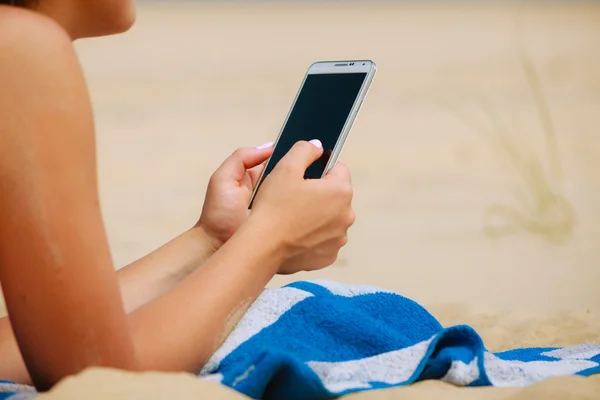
265, 146
316, 143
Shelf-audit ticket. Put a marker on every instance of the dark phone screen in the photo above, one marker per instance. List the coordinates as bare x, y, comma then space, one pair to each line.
320, 112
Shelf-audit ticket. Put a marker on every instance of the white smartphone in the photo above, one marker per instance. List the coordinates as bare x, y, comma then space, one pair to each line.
325, 108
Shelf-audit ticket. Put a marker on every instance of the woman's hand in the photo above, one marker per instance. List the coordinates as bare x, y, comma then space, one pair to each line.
229, 191
319, 257
309, 217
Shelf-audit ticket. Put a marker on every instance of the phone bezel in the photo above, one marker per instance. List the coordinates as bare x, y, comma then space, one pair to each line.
332, 67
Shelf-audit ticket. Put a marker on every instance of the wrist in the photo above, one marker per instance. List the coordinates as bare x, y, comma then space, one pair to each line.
266, 238
207, 244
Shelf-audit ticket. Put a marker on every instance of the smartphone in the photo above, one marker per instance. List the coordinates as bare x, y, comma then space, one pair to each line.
325, 108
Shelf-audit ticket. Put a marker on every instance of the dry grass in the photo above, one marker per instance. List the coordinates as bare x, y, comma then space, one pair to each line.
541, 208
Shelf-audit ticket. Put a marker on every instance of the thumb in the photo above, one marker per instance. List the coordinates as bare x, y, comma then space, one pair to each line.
302, 155
243, 159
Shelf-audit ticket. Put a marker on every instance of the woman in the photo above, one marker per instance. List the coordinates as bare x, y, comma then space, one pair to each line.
169, 311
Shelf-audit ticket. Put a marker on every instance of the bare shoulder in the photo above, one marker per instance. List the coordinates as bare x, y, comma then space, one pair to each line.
33, 49
40, 76
25, 33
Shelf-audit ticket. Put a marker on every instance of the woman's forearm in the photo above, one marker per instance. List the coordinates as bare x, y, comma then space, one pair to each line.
181, 330
140, 283
153, 275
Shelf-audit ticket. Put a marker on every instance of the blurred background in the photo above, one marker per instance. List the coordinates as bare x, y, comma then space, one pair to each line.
475, 160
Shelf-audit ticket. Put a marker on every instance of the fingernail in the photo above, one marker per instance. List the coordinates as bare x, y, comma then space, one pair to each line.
316, 143
264, 146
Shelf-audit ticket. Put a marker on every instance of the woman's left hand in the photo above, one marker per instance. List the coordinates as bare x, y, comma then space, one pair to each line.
229, 191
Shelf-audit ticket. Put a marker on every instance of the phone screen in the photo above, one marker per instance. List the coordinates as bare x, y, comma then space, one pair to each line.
320, 112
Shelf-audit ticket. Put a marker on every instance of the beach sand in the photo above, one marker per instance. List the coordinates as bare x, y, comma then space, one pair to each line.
473, 198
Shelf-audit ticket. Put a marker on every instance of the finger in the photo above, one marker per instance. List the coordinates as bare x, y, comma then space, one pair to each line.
302, 155
243, 159
255, 173
340, 172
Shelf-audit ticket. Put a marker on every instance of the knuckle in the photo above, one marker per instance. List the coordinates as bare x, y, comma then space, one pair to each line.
303, 145
349, 191
342, 188
343, 240
344, 167
351, 218
238, 153
346, 191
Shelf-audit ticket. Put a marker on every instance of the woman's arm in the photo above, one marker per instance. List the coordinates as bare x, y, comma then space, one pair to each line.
140, 282
155, 274
191, 321
47, 138
60, 287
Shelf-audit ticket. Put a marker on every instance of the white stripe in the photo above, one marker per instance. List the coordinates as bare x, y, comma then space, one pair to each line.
582, 351
392, 368
522, 373
265, 311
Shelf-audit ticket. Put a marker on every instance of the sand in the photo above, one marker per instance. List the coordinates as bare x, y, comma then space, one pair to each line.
472, 198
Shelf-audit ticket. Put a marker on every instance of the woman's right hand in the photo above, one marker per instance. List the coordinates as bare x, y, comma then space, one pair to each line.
305, 216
